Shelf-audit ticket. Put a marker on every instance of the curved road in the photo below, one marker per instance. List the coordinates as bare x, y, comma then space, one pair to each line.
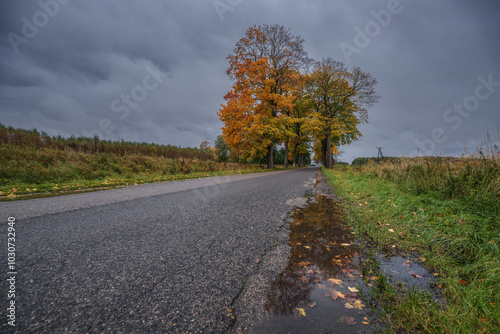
158, 258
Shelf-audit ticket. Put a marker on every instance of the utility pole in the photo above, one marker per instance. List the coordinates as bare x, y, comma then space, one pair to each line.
380, 155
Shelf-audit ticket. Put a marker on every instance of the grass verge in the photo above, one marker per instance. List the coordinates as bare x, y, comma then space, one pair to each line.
23, 191
456, 239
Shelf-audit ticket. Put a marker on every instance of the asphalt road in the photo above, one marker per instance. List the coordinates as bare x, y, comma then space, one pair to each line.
159, 258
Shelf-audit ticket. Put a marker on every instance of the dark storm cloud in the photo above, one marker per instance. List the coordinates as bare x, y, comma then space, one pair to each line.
86, 67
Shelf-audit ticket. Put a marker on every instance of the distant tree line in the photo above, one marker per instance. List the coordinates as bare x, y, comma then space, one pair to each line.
36, 139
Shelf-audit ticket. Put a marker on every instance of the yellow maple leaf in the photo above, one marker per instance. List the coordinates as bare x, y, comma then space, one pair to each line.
335, 281
301, 311
352, 289
348, 306
358, 304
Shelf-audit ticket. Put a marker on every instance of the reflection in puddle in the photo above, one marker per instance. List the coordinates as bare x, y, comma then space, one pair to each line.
409, 272
317, 292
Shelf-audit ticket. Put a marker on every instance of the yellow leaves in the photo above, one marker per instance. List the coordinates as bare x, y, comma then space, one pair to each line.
358, 305
354, 305
335, 281
353, 290
299, 312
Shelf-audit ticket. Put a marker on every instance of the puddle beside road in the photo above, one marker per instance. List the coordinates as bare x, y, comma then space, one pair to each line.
410, 272
318, 291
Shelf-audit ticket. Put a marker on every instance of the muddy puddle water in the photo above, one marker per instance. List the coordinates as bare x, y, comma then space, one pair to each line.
318, 290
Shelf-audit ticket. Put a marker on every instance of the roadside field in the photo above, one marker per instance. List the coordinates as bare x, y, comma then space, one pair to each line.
448, 215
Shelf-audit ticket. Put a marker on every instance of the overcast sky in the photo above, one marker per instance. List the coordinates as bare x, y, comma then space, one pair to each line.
154, 70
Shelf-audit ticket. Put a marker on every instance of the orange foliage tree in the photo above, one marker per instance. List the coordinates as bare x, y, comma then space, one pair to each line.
265, 69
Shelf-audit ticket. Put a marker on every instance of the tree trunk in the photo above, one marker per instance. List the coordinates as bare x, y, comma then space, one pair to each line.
329, 162
270, 160
294, 155
323, 151
286, 153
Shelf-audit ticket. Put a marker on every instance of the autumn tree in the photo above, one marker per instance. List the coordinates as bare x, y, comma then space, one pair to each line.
339, 100
265, 68
205, 145
301, 138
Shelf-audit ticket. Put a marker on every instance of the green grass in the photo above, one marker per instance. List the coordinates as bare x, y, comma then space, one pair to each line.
28, 172
458, 238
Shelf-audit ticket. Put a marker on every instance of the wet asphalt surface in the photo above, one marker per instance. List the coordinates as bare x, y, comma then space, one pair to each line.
161, 258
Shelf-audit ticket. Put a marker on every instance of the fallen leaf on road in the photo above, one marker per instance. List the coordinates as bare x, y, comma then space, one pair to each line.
335, 281
352, 289
358, 304
345, 245
365, 322
336, 294
349, 321
416, 275
300, 311
423, 259
348, 306
311, 304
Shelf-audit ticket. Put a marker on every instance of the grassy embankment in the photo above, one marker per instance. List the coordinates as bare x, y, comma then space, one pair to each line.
36, 165
447, 212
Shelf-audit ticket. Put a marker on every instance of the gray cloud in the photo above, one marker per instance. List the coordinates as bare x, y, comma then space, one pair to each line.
65, 78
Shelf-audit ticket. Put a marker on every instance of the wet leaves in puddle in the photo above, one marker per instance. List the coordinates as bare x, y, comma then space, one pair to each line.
299, 312
323, 260
349, 321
